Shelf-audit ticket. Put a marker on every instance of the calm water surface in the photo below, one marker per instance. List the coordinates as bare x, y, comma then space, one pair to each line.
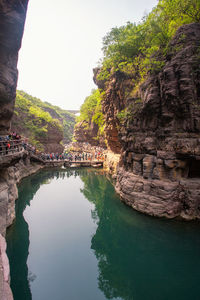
74, 240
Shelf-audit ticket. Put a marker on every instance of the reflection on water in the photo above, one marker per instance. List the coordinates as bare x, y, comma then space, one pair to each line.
18, 238
137, 257
140, 257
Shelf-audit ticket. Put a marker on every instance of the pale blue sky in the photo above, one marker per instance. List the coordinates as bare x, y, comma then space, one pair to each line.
62, 44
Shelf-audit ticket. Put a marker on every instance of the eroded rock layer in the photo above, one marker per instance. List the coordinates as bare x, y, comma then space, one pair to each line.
113, 103
159, 171
88, 133
10, 174
12, 18
85, 132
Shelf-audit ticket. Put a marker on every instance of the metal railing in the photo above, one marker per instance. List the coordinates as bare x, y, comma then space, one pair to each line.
9, 147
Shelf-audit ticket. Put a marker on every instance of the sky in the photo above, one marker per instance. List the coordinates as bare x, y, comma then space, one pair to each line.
62, 44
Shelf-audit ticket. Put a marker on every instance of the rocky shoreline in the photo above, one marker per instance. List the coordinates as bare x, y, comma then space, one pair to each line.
160, 198
5, 290
9, 179
148, 187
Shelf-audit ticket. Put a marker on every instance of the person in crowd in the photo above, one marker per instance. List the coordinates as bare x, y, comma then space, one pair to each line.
7, 147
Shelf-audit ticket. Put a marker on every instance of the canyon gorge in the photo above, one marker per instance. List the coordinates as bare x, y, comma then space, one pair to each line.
151, 130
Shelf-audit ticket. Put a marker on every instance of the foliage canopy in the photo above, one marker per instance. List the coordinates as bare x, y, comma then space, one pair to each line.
138, 49
91, 110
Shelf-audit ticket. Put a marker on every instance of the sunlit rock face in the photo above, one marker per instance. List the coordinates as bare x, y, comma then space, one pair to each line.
85, 132
159, 171
113, 103
12, 18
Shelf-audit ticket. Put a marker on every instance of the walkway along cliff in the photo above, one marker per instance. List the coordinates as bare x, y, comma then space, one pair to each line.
159, 136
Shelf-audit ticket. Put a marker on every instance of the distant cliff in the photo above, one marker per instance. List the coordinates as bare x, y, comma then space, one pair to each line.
156, 126
43, 124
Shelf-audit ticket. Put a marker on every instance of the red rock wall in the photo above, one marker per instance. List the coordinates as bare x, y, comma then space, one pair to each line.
12, 18
114, 101
159, 171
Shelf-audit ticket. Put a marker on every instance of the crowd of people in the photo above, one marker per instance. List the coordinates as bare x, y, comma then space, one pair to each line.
73, 156
76, 152
29, 147
83, 152
52, 156
10, 143
79, 156
73, 152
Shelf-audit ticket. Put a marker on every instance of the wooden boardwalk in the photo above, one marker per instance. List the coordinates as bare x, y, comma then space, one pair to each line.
17, 150
74, 164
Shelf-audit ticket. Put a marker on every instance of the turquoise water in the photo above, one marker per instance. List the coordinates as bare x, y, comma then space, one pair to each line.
74, 240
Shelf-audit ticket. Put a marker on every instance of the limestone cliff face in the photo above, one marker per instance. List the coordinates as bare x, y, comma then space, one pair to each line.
114, 101
88, 133
85, 132
11, 172
12, 17
159, 171
52, 139
19, 166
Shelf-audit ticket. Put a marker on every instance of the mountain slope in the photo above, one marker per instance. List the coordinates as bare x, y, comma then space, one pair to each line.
44, 124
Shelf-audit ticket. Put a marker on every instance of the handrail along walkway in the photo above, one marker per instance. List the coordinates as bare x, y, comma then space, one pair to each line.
9, 147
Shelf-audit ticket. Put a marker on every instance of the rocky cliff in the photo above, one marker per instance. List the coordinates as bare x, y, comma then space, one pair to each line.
159, 131
114, 102
88, 133
12, 18
66, 119
12, 170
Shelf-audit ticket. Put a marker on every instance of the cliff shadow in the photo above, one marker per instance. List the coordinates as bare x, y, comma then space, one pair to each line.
18, 235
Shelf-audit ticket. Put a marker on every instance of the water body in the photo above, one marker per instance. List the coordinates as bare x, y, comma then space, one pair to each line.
74, 240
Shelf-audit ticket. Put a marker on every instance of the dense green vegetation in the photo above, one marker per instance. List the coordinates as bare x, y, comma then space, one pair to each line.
139, 49
91, 111
34, 118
